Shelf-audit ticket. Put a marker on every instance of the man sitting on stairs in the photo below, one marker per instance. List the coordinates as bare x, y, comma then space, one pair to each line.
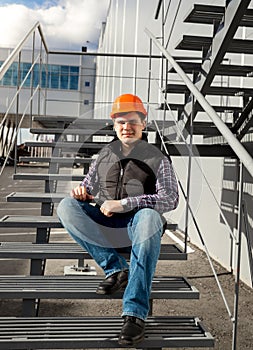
132, 184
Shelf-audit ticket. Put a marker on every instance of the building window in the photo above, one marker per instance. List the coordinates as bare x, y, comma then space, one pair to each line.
86, 102
52, 76
87, 84
74, 77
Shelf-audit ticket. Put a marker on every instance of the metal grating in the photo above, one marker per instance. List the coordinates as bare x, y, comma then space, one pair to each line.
198, 43
40, 221
28, 250
76, 146
84, 287
71, 131
48, 177
222, 69
212, 90
30, 221
60, 160
36, 197
207, 14
53, 121
80, 333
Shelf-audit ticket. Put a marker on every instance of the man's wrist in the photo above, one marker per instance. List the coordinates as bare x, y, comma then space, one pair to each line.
124, 203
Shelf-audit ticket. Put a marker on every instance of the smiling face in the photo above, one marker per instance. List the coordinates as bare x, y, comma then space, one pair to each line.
129, 128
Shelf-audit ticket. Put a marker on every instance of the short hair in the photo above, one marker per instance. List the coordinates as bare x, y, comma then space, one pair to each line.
141, 115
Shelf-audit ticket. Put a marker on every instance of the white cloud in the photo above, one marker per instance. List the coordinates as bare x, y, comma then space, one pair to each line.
67, 24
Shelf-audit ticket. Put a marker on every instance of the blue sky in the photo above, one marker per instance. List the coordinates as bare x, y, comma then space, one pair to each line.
28, 3
66, 24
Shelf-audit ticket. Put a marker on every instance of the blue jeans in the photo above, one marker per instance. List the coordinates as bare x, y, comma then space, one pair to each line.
101, 236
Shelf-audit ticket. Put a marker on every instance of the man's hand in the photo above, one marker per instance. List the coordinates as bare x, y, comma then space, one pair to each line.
108, 208
81, 194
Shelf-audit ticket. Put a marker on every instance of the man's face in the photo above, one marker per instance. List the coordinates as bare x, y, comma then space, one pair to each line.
129, 127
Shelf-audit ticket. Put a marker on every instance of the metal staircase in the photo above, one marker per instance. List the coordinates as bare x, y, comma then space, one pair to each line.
75, 332
162, 332
176, 331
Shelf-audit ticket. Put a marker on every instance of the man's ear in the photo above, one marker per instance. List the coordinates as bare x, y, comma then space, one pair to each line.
144, 123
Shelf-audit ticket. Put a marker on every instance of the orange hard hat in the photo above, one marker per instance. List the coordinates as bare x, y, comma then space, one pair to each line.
127, 103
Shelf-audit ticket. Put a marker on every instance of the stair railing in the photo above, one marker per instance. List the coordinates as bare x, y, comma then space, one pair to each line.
245, 160
34, 90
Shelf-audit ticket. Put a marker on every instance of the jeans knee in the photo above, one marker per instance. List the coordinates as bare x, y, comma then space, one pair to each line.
150, 216
64, 207
147, 224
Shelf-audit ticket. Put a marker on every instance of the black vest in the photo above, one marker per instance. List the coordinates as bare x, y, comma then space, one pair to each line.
120, 177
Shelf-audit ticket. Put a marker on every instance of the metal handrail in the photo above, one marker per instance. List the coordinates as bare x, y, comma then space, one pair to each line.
17, 93
8, 62
237, 147
4, 68
16, 131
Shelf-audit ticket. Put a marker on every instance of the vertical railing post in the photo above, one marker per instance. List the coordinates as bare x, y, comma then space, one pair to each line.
188, 190
17, 114
135, 74
149, 72
165, 94
32, 77
40, 78
238, 262
46, 88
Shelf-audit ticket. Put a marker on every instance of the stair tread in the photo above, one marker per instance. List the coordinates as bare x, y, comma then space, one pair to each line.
29, 250
62, 160
198, 42
35, 197
48, 177
41, 221
71, 131
207, 14
85, 286
68, 144
92, 332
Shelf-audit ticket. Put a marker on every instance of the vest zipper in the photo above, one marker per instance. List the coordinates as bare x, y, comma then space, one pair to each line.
118, 190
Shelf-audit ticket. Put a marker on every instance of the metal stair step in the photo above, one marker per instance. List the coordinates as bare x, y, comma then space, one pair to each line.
36, 197
42, 221
53, 121
61, 160
222, 69
198, 43
17, 221
98, 332
84, 287
29, 250
72, 131
41, 197
207, 14
213, 90
66, 250
68, 145
48, 177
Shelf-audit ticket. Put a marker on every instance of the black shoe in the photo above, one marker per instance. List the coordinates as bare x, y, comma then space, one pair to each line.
113, 283
132, 331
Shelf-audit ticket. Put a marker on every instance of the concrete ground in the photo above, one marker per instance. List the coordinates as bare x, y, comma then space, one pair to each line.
209, 308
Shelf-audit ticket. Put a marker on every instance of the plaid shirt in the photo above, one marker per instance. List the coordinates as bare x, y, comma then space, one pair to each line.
164, 200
